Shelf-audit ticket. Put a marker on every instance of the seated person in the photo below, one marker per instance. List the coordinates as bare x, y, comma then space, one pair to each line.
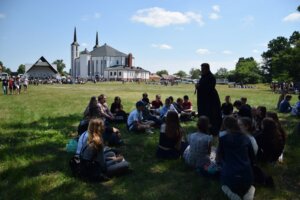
106, 115
285, 106
145, 99
243, 110
135, 120
270, 141
187, 105
236, 155
166, 108
227, 107
170, 140
92, 110
117, 110
197, 154
296, 108
156, 104
95, 161
184, 115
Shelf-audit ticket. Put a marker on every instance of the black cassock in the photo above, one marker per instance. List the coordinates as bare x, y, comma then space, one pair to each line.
208, 101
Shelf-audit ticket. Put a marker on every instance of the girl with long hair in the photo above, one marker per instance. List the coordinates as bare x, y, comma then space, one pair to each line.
170, 140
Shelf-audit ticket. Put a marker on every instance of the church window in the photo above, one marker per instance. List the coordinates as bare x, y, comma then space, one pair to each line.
115, 73
120, 73
110, 73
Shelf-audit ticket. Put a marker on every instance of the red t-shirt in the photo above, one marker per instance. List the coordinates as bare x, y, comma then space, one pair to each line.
186, 105
156, 104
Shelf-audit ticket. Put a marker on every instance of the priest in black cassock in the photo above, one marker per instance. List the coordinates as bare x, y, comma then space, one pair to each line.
208, 100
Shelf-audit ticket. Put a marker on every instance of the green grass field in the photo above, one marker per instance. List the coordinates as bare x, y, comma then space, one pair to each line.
35, 128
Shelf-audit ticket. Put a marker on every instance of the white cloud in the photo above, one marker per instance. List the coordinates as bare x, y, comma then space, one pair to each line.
214, 16
216, 8
88, 17
162, 46
159, 17
293, 17
255, 51
203, 51
2, 16
84, 44
227, 52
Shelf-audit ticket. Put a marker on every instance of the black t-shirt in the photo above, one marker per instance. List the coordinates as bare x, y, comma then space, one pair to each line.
4, 82
227, 108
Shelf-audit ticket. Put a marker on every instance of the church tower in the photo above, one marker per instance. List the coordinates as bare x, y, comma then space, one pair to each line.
97, 44
74, 54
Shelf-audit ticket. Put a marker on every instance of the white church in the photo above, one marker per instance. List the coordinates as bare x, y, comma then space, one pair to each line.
104, 62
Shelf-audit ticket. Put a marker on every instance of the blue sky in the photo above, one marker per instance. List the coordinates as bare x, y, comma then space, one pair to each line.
161, 34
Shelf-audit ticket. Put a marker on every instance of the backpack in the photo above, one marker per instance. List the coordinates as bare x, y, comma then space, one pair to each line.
74, 164
88, 170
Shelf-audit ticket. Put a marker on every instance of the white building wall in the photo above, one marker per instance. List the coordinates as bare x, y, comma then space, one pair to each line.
83, 65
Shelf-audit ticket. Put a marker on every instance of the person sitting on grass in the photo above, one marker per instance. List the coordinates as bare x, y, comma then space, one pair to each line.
93, 109
227, 107
184, 116
135, 120
156, 104
270, 142
197, 154
243, 109
260, 114
166, 108
187, 105
171, 145
235, 154
285, 106
106, 115
296, 108
95, 162
117, 110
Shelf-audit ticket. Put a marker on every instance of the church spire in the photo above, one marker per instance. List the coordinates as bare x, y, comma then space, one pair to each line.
97, 43
75, 38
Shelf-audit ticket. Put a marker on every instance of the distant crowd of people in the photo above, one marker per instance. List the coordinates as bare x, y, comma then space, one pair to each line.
284, 87
14, 85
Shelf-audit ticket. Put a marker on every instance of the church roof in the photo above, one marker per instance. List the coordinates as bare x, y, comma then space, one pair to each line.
42, 62
106, 50
123, 67
85, 51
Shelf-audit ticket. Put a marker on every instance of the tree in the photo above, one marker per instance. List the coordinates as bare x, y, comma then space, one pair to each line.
195, 73
181, 74
247, 71
275, 46
161, 72
4, 69
298, 8
294, 38
21, 69
60, 65
221, 73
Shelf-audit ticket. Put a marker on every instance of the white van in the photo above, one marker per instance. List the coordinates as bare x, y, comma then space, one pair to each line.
3, 75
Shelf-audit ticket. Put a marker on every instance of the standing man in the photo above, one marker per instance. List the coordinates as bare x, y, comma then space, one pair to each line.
4, 85
208, 100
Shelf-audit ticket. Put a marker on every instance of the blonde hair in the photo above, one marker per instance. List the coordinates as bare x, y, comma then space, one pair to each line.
95, 130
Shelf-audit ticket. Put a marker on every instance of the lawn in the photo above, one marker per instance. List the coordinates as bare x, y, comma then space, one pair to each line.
35, 128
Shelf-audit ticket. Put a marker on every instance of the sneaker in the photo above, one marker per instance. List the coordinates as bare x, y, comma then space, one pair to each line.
250, 194
231, 195
149, 131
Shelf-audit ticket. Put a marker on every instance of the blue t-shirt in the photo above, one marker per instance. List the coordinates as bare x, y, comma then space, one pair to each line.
285, 106
134, 116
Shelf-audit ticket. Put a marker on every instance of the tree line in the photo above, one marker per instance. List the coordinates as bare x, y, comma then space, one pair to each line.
281, 62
